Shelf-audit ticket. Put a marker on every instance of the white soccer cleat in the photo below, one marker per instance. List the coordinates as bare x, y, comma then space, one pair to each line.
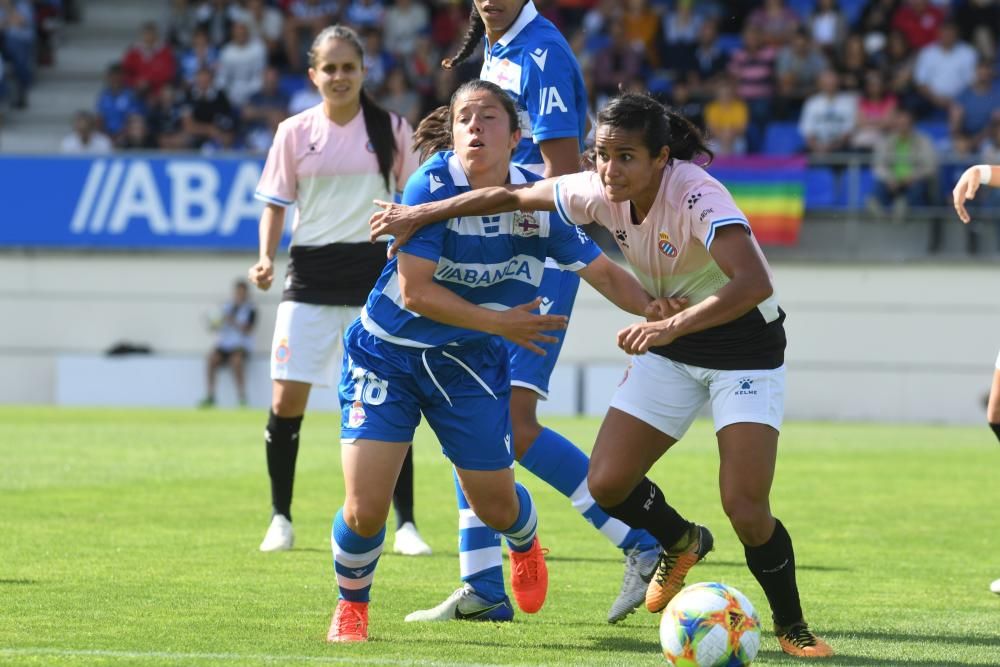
279, 536
408, 541
995, 587
639, 567
465, 605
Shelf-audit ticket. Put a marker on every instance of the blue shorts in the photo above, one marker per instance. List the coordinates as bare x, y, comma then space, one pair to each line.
527, 369
462, 390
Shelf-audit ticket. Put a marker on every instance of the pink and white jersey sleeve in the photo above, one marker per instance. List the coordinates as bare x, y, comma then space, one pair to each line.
706, 205
580, 200
278, 182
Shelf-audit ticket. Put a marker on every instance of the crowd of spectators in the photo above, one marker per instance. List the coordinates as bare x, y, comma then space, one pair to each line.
848, 75
27, 40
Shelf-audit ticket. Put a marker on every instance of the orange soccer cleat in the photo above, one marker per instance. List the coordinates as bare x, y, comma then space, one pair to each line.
529, 577
668, 579
798, 640
350, 622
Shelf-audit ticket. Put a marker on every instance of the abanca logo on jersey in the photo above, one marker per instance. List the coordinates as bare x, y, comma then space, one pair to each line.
484, 275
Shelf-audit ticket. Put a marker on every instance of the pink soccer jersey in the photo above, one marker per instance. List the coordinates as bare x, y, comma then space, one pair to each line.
331, 173
668, 251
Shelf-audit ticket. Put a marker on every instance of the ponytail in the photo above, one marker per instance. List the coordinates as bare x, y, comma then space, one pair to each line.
473, 36
659, 125
378, 124
433, 134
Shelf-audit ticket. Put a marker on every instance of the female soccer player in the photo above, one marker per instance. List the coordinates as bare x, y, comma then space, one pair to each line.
527, 56
685, 238
429, 341
331, 160
966, 189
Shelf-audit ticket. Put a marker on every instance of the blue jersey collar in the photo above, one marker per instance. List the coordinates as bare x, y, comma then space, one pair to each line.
527, 15
460, 180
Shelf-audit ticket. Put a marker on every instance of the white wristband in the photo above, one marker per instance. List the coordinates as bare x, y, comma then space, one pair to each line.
985, 173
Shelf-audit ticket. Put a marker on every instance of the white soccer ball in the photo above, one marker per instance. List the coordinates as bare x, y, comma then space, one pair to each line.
710, 625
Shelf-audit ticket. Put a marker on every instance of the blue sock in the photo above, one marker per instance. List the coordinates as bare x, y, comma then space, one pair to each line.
522, 533
354, 559
480, 559
554, 459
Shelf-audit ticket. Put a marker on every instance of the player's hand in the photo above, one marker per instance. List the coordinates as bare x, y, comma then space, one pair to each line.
638, 338
261, 274
396, 220
965, 189
521, 326
664, 307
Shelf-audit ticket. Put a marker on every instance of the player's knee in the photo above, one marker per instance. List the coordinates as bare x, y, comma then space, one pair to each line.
750, 518
497, 515
525, 433
364, 518
606, 488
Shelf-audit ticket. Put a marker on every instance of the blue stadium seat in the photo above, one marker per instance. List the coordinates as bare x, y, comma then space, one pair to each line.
802, 7
852, 10
292, 83
821, 188
938, 132
783, 138
729, 42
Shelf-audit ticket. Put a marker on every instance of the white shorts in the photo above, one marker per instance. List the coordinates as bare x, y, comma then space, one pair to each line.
667, 395
307, 342
998, 361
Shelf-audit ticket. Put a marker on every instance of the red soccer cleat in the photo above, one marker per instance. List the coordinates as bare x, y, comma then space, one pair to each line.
350, 622
529, 577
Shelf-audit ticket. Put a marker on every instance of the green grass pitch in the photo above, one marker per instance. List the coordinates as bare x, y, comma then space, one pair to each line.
130, 537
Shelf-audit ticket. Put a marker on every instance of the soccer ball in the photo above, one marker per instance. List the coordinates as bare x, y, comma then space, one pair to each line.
709, 625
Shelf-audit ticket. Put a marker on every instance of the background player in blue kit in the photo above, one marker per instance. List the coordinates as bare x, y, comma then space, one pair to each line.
527, 56
429, 342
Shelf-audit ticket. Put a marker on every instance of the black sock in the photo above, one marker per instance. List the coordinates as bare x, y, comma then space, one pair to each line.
646, 508
996, 429
282, 443
402, 495
773, 564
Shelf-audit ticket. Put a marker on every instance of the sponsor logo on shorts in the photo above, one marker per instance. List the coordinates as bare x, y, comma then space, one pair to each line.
625, 376
665, 246
356, 417
746, 388
546, 305
282, 353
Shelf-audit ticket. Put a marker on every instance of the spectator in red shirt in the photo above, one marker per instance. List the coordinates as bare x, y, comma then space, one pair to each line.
919, 21
149, 63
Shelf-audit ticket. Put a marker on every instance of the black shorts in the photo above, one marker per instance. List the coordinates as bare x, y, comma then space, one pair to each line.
225, 355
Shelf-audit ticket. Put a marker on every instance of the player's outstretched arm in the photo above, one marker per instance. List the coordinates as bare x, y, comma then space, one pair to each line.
968, 185
617, 285
401, 221
425, 297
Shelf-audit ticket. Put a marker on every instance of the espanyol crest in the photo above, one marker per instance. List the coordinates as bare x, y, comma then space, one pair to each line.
665, 246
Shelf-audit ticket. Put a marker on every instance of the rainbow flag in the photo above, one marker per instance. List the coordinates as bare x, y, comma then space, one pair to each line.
770, 190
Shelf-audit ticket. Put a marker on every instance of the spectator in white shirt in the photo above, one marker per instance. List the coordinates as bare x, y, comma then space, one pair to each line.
85, 139
944, 69
829, 116
266, 23
405, 21
241, 65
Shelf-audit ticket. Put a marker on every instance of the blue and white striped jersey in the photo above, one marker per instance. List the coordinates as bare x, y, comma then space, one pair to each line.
492, 261
534, 63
